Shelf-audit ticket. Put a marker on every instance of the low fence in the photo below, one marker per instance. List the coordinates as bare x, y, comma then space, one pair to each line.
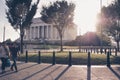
98, 49
82, 49
69, 58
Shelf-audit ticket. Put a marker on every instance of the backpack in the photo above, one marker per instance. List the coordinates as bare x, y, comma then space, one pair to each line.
6, 50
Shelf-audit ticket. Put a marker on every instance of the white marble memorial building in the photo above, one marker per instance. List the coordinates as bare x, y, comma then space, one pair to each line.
39, 31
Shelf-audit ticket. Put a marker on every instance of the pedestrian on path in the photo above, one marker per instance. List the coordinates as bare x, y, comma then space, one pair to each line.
14, 52
4, 55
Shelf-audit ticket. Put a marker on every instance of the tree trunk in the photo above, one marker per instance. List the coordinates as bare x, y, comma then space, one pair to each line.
117, 46
61, 43
21, 39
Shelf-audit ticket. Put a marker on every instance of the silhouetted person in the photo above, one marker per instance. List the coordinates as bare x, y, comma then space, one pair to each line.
4, 55
14, 52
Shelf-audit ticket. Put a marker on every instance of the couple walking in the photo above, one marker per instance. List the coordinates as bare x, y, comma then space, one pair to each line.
7, 52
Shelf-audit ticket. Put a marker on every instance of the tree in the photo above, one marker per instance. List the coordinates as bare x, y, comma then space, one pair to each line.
110, 20
92, 39
60, 14
20, 14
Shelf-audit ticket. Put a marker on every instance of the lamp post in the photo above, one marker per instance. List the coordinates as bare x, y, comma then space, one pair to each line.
101, 27
80, 40
4, 34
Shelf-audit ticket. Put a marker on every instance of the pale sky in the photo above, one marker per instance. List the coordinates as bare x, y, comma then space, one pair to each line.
85, 16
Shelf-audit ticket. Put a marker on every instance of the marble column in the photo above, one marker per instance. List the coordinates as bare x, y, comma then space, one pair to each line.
30, 33
47, 32
55, 34
52, 33
34, 33
42, 31
27, 34
39, 32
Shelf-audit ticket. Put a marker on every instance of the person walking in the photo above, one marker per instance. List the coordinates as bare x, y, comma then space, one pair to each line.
14, 52
4, 54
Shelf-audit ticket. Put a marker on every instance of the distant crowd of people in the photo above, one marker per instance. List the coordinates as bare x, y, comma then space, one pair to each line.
9, 52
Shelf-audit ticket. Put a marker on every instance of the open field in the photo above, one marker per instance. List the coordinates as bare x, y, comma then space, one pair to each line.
77, 58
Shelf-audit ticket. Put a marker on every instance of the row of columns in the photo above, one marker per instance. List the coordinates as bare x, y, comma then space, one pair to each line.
42, 32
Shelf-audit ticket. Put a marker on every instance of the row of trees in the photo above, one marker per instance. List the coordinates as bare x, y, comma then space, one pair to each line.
21, 12
109, 21
60, 14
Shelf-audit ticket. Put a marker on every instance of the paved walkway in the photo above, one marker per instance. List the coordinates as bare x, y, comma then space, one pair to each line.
34, 71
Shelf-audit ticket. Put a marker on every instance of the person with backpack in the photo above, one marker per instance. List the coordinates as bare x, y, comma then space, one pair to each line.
14, 52
4, 55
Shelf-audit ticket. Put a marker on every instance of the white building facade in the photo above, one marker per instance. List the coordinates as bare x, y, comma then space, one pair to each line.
40, 31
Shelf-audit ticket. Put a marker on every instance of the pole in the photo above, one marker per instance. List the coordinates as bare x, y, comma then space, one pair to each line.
54, 61
4, 34
39, 57
70, 59
80, 41
26, 57
89, 60
101, 4
108, 59
101, 27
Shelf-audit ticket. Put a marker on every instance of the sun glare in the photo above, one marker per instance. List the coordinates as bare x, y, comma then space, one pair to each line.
85, 15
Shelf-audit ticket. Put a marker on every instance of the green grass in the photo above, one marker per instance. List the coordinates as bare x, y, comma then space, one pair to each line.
77, 58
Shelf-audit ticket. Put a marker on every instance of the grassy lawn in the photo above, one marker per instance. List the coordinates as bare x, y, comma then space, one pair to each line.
77, 58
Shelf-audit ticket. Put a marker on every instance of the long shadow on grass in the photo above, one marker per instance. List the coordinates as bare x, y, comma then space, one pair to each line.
57, 78
37, 72
117, 75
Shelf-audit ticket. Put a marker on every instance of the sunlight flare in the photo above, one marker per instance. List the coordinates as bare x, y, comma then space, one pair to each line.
85, 15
